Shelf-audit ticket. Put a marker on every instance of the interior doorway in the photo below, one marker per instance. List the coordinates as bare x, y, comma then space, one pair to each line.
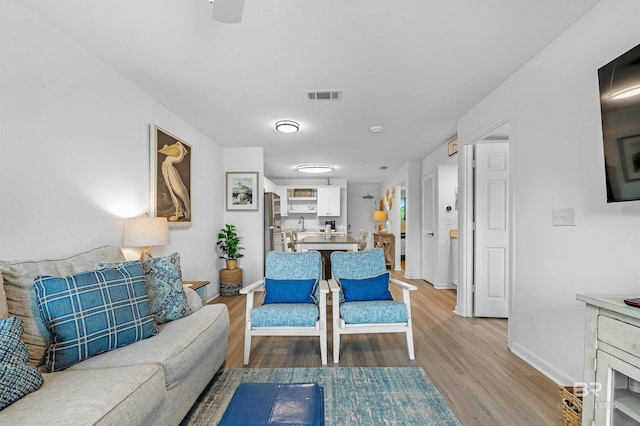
485, 224
428, 228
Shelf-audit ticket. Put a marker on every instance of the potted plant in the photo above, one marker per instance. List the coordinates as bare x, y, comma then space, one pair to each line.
229, 244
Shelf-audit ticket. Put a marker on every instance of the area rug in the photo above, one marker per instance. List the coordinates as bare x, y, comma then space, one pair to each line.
353, 395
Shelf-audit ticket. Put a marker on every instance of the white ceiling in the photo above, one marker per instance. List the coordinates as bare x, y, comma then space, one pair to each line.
411, 66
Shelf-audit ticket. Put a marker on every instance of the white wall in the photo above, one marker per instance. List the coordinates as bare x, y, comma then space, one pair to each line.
408, 176
357, 191
249, 223
268, 185
74, 143
445, 170
557, 161
447, 182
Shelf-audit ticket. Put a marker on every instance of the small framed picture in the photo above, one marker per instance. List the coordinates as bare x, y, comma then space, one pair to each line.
242, 190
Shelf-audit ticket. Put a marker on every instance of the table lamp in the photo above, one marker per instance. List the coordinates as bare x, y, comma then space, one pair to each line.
146, 232
379, 216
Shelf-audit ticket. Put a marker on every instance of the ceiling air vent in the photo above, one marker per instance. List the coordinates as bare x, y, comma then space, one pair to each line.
324, 95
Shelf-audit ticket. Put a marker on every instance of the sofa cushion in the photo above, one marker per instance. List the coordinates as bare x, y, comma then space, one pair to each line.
177, 347
21, 298
112, 396
93, 312
164, 286
17, 377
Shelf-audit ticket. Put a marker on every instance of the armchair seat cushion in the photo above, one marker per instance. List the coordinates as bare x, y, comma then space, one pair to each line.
285, 315
374, 312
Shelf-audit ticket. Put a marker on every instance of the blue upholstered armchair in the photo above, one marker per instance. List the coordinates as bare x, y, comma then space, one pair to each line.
360, 293
295, 302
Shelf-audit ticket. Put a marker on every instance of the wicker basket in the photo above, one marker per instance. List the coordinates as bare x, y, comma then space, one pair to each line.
230, 282
571, 406
303, 192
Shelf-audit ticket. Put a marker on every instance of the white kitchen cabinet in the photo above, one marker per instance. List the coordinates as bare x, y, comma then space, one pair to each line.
329, 201
611, 361
302, 201
284, 200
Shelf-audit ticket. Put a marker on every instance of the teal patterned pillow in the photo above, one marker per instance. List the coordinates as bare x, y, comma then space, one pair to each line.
17, 377
164, 286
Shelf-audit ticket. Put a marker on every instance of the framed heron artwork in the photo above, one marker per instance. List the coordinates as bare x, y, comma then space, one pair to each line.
242, 191
170, 160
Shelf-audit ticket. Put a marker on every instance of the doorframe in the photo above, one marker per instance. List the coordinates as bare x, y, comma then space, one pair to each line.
464, 305
434, 267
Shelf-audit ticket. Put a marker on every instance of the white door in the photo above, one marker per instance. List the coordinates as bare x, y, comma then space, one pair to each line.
360, 215
492, 233
428, 228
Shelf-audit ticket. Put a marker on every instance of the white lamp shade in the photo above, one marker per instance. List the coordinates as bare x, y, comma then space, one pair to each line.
146, 232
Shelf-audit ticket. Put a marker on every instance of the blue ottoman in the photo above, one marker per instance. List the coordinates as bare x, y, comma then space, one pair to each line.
275, 404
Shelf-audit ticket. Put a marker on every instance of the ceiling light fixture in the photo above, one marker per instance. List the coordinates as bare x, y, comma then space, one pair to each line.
287, 126
314, 168
627, 92
376, 129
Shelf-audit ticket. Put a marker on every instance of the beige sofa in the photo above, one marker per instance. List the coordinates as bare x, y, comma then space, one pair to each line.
152, 381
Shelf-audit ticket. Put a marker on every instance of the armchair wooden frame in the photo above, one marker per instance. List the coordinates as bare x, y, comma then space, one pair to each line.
319, 330
340, 327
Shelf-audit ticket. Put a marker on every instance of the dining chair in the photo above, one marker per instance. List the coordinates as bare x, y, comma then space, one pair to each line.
279, 241
289, 240
363, 239
295, 300
361, 300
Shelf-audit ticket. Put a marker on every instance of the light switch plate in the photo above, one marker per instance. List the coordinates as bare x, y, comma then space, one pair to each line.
564, 217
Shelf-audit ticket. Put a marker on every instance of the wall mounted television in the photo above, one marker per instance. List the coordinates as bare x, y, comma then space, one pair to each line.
620, 111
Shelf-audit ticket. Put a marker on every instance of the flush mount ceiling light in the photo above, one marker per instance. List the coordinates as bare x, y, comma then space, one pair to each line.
287, 126
627, 92
314, 168
376, 129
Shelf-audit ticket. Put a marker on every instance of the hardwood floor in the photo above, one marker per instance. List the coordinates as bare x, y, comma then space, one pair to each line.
466, 358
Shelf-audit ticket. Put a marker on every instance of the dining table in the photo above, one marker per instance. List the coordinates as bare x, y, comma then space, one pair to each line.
322, 243
326, 246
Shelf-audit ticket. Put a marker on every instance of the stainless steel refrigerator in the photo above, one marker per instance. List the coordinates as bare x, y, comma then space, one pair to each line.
271, 219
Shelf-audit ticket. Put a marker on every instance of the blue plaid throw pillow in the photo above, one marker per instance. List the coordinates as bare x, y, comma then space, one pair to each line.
17, 377
93, 312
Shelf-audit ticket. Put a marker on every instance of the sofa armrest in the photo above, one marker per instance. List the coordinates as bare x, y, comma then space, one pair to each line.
194, 300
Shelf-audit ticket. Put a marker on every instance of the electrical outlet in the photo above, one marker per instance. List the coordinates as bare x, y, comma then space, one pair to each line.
564, 217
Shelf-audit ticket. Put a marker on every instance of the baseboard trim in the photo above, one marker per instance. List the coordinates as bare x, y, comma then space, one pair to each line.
557, 376
445, 286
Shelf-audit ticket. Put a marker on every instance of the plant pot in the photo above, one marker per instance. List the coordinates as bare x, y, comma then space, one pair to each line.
232, 263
